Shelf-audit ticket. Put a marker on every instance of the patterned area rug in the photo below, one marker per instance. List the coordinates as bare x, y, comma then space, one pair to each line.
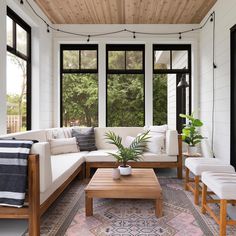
129, 217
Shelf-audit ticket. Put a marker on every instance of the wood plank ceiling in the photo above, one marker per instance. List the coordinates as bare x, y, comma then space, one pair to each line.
125, 11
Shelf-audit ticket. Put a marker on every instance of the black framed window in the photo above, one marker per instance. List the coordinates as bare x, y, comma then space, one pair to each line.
125, 85
18, 73
79, 84
171, 64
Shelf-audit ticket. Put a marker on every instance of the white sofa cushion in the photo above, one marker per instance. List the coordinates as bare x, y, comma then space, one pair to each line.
129, 140
172, 146
222, 184
198, 165
43, 149
123, 132
156, 128
155, 144
58, 133
162, 157
63, 145
63, 166
101, 155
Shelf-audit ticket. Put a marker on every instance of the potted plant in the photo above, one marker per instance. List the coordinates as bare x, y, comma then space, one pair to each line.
125, 154
190, 133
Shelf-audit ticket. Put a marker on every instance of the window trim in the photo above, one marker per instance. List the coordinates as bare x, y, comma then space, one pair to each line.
175, 47
125, 47
13, 50
74, 71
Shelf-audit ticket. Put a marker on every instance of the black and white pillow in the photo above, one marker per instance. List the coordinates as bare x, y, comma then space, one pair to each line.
85, 138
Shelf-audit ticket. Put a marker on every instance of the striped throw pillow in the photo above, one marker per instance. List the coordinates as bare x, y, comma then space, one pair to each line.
85, 138
63, 145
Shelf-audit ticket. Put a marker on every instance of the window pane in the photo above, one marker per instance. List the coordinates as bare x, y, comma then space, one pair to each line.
161, 59
80, 99
125, 100
134, 60
179, 59
9, 32
116, 60
21, 40
88, 59
71, 59
160, 99
16, 94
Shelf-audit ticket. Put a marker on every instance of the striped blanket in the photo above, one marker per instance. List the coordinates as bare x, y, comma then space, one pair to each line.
13, 171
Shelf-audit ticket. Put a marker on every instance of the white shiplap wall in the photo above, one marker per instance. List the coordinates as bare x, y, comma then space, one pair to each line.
225, 19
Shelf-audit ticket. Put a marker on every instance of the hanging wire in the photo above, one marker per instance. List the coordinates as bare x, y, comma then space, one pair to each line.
213, 86
134, 33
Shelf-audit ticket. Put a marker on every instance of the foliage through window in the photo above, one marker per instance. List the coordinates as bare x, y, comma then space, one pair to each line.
170, 64
79, 85
125, 85
18, 73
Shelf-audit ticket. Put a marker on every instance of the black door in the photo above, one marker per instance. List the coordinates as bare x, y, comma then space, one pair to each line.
233, 98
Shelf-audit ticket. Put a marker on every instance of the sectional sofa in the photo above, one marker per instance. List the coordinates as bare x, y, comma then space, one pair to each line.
50, 174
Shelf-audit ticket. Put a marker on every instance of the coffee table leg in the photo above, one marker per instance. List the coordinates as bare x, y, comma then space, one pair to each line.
88, 206
159, 207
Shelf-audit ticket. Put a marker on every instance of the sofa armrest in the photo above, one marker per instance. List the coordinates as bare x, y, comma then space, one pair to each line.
172, 147
43, 150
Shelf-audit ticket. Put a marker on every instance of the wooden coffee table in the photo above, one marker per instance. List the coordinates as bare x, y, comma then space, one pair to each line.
142, 184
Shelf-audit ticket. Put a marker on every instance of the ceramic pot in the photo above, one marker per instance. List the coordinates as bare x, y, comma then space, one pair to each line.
115, 173
192, 150
125, 170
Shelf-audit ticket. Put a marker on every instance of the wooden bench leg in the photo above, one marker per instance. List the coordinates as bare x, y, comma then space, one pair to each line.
34, 202
159, 203
196, 189
88, 206
179, 172
223, 219
204, 195
186, 179
87, 171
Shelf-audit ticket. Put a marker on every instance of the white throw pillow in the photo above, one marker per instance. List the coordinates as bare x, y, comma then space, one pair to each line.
129, 140
156, 144
157, 128
63, 145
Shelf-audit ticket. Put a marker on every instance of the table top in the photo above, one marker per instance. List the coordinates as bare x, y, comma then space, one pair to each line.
142, 183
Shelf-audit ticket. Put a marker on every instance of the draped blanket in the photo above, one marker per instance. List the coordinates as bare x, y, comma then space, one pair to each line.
13, 171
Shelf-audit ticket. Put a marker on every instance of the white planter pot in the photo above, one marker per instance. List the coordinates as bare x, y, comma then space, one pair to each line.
125, 170
192, 150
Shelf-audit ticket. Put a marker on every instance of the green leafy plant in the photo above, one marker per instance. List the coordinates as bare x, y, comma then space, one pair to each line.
190, 132
133, 152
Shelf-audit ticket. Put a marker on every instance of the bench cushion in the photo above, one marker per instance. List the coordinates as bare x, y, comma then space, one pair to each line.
63, 166
221, 183
103, 156
198, 165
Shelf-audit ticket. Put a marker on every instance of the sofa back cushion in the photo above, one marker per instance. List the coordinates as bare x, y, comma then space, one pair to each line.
123, 132
39, 135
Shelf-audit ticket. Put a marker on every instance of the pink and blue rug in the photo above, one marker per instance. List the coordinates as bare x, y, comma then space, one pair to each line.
129, 217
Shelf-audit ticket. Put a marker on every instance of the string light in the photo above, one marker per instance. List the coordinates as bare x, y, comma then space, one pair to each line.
210, 17
180, 36
88, 39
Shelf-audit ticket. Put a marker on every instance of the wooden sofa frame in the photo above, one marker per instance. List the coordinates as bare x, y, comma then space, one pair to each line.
177, 164
33, 210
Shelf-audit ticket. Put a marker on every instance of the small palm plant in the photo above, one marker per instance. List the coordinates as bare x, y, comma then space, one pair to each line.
133, 152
